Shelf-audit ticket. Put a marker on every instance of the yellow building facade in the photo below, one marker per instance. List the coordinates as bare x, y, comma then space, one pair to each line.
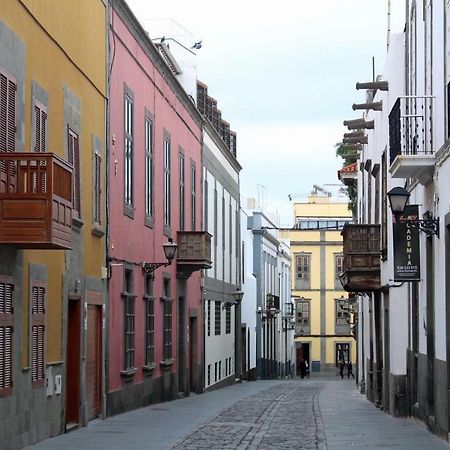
53, 64
323, 330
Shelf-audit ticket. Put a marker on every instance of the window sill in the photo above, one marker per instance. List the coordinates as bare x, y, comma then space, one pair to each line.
97, 230
148, 222
128, 374
128, 211
149, 368
77, 224
167, 363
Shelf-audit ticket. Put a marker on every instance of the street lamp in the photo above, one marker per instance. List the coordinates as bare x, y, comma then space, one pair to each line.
398, 198
170, 249
238, 295
289, 324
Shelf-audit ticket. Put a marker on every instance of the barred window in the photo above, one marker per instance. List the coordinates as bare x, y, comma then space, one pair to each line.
167, 326
217, 318
149, 321
129, 318
228, 318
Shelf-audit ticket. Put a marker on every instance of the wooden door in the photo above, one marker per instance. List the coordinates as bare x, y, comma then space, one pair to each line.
93, 361
73, 364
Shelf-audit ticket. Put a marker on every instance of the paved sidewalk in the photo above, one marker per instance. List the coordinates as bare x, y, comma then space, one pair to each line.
316, 413
350, 421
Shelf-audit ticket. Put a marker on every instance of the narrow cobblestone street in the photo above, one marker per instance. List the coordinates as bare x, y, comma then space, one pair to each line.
295, 414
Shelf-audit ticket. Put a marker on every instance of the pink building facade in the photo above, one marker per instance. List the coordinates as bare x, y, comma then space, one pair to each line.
154, 319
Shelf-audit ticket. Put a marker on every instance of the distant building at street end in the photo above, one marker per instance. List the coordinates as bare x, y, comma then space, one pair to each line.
323, 322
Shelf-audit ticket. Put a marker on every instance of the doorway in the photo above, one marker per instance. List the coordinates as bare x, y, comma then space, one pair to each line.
193, 353
181, 345
94, 361
72, 416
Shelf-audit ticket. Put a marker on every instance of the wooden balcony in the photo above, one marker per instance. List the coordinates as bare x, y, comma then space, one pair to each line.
35, 201
361, 258
194, 251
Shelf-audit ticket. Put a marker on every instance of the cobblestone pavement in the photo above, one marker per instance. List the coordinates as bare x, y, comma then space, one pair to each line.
317, 413
285, 416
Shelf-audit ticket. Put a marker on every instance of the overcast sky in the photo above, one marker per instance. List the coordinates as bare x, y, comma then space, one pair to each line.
283, 73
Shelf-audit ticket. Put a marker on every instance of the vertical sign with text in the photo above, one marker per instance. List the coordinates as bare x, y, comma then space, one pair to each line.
406, 246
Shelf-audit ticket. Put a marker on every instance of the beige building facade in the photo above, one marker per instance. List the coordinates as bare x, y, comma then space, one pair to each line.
323, 329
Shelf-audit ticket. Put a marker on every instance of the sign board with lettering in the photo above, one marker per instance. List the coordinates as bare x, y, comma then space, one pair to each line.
406, 246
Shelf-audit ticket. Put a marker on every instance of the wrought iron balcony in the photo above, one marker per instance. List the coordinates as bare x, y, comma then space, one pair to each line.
35, 200
361, 265
410, 139
194, 251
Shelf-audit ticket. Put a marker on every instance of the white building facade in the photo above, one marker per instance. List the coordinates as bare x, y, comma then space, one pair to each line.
222, 220
403, 328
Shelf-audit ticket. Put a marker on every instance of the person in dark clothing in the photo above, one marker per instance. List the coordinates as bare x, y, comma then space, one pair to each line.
350, 370
302, 368
341, 368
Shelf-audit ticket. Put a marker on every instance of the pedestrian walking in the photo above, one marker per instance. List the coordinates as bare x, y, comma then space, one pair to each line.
341, 368
350, 370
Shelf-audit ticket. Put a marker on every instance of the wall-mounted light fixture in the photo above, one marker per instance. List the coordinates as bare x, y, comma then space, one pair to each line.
238, 296
398, 198
170, 249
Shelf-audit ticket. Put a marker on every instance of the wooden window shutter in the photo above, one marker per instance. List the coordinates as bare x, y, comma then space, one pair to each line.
40, 118
74, 161
37, 334
8, 89
6, 336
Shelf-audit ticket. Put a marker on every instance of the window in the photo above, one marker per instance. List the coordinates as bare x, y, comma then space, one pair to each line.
341, 314
74, 160
342, 352
208, 305
303, 312
215, 371
303, 262
209, 374
167, 328
193, 197
37, 333
40, 127
6, 335
97, 188
148, 166
8, 88
220, 370
128, 165
181, 189
217, 318
149, 321
129, 320
223, 223
228, 318
338, 265
166, 186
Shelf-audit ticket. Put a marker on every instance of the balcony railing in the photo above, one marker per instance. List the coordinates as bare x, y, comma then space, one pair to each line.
194, 251
410, 138
361, 265
35, 200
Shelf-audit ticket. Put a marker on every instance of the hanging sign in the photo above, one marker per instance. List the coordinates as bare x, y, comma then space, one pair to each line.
406, 246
